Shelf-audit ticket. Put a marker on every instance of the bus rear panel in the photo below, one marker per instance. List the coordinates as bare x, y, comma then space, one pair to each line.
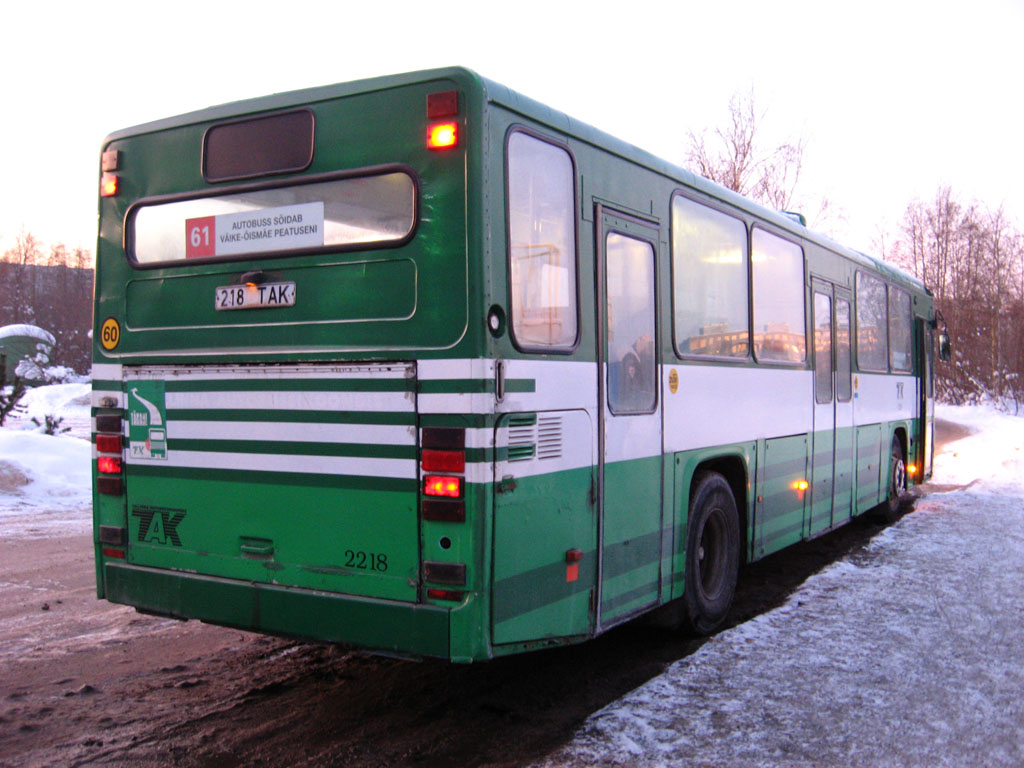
268, 275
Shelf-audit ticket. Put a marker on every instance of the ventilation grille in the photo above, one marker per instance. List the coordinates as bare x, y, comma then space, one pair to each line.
549, 437
539, 437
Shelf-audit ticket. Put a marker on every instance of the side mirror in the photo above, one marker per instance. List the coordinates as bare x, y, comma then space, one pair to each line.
944, 350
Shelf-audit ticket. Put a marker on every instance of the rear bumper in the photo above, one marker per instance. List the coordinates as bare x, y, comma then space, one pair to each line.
381, 625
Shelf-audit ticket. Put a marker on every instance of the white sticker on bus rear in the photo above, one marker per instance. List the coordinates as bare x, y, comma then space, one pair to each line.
284, 228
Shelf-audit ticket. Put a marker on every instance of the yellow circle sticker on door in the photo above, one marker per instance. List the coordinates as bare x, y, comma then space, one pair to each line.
110, 333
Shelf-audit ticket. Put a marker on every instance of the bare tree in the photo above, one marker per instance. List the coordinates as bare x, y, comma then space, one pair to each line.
973, 260
735, 157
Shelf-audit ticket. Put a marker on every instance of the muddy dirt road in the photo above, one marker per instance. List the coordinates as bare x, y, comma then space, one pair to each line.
84, 682
88, 683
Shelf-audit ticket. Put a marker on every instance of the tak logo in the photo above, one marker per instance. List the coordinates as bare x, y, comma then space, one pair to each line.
158, 525
899, 390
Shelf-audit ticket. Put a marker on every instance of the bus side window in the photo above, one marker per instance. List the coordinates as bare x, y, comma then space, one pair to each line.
779, 331
630, 284
899, 330
542, 243
844, 390
872, 340
709, 274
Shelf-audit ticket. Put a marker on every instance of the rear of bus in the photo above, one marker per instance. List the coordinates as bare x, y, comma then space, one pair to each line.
278, 282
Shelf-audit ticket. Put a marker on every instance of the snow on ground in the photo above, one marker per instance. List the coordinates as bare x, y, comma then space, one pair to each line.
907, 653
45, 480
69, 402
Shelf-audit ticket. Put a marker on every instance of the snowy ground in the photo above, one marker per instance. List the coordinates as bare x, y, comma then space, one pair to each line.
908, 653
45, 479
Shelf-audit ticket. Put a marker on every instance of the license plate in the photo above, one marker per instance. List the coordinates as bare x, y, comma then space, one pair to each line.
254, 296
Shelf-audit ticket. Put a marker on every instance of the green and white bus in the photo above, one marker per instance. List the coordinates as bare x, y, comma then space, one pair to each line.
423, 366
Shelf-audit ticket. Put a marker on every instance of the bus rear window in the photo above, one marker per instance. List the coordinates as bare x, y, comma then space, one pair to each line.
246, 148
340, 213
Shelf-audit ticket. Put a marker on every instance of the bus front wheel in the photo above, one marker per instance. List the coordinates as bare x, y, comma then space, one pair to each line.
712, 553
897, 480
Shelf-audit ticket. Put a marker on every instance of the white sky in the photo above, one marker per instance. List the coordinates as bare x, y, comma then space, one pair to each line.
895, 98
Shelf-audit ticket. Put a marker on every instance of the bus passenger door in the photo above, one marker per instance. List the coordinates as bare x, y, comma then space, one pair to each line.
842, 497
924, 343
823, 443
629, 437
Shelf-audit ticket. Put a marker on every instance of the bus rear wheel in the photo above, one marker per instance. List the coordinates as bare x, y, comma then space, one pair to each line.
712, 554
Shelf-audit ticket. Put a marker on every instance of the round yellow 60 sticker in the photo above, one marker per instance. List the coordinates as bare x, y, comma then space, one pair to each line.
110, 333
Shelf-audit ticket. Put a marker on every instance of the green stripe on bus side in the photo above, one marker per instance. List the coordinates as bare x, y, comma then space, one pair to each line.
460, 420
546, 584
619, 556
399, 418
794, 468
303, 448
243, 385
293, 448
309, 479
642, 596
388, 418
473, 386
537, 588
786, 529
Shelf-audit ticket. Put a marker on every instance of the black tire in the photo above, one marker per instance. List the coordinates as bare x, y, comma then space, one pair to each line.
897, 481
712, 554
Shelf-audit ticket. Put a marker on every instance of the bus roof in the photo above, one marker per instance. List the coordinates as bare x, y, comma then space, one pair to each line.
496, 93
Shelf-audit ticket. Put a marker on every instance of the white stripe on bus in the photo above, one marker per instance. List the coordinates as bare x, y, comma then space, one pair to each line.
297, 401
106, 372
404, 469
292, 432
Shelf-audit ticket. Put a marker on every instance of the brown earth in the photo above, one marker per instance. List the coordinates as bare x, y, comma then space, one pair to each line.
84, 682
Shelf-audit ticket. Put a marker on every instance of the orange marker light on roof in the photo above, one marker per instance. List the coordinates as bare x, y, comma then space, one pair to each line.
108, 185
443, 136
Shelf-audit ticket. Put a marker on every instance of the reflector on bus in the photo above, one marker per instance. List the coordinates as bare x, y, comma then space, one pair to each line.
434, 460
108, 443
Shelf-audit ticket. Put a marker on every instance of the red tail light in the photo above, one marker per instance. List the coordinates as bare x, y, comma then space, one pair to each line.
437, 485
443, 136
109, 428
109, 465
